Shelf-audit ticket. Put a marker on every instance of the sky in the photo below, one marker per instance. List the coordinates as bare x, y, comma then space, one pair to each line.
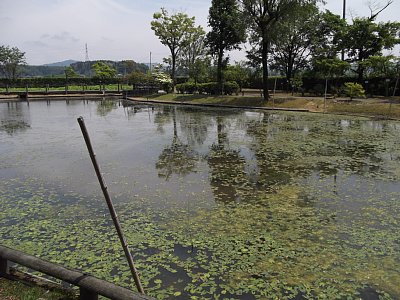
55, 30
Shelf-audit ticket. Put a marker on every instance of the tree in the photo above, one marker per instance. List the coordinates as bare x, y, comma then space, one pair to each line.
70, 72
291, 51
380, 66
174, 32
199, 71
161, 78
263, 17
365, 38
331, 67
227, 32
10, 60
138, 78
238, 73
103, 70
194, 52
327, 36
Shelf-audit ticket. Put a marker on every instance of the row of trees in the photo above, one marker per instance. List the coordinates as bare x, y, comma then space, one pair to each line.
286, 36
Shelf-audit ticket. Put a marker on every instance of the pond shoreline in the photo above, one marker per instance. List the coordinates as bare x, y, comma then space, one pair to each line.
309, 107
305, 110
143, 100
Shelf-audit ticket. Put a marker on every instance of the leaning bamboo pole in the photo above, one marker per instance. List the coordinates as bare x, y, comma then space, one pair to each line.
110, 206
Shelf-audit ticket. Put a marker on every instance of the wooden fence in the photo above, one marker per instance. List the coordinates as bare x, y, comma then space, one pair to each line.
90, 287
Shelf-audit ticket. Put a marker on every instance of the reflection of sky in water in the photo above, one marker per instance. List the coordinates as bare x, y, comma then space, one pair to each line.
129, 141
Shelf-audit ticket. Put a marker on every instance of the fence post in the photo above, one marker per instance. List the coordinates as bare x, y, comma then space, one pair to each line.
85, 294
4, 269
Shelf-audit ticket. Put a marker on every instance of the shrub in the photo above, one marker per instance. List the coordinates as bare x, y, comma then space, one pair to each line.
231, 87
353, 89
208, 88
186, 88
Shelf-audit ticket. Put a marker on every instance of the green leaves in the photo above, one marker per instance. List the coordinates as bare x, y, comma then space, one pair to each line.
174, 31
104, 70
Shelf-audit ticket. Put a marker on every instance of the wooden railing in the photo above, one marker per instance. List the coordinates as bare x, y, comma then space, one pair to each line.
90, 287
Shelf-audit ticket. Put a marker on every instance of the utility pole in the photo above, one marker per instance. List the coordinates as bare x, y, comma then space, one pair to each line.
87, 61
150, 62
344, 18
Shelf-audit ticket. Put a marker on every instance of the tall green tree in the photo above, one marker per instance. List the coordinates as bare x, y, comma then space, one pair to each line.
263, 18
327, 36
174, 31
365, 38
227, 32
194, 52
290, 52
10, 60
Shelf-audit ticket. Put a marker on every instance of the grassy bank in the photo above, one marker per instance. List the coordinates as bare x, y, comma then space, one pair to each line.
375, 107
15, 290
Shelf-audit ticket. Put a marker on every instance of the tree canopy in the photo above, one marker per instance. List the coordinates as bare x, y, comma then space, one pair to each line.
10, 59
227, 31
174, 31
103, 70
365, 38
264, 16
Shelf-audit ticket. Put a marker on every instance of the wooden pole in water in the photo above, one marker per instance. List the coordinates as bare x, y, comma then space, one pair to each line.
110, 206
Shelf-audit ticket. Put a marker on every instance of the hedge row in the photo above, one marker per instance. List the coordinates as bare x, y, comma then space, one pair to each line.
41, 82
316, 86
212, 88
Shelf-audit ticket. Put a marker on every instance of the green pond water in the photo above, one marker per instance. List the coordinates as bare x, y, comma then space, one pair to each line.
215, 203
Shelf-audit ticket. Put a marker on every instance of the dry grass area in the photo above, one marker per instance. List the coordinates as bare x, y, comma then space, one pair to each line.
374, 107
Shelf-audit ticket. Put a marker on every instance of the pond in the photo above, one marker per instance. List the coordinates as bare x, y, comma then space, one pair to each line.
215, 203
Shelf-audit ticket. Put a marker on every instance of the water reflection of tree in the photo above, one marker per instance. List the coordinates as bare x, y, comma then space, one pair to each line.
289, 147
15, 118
104, 107
176, 158
228, 178
194, 124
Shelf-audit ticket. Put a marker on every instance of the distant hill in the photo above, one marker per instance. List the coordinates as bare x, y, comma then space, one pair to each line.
82, 68
64, 63
41, 71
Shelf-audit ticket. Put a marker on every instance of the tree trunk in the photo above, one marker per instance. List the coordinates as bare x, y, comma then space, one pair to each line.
219, 71
265, 50
173, 71
360, 72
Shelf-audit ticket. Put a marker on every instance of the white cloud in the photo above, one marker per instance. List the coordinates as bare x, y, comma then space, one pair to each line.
54, 30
